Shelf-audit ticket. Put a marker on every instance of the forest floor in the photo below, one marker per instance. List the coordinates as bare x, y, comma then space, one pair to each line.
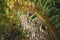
32, 31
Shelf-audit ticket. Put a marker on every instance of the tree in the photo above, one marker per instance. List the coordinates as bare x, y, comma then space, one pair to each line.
50, 9
9, 17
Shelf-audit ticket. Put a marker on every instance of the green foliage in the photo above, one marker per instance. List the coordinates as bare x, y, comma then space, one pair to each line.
51, 9
9, 17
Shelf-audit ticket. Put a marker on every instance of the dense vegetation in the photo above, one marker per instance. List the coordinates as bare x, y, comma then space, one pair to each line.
48, 8
9, 19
